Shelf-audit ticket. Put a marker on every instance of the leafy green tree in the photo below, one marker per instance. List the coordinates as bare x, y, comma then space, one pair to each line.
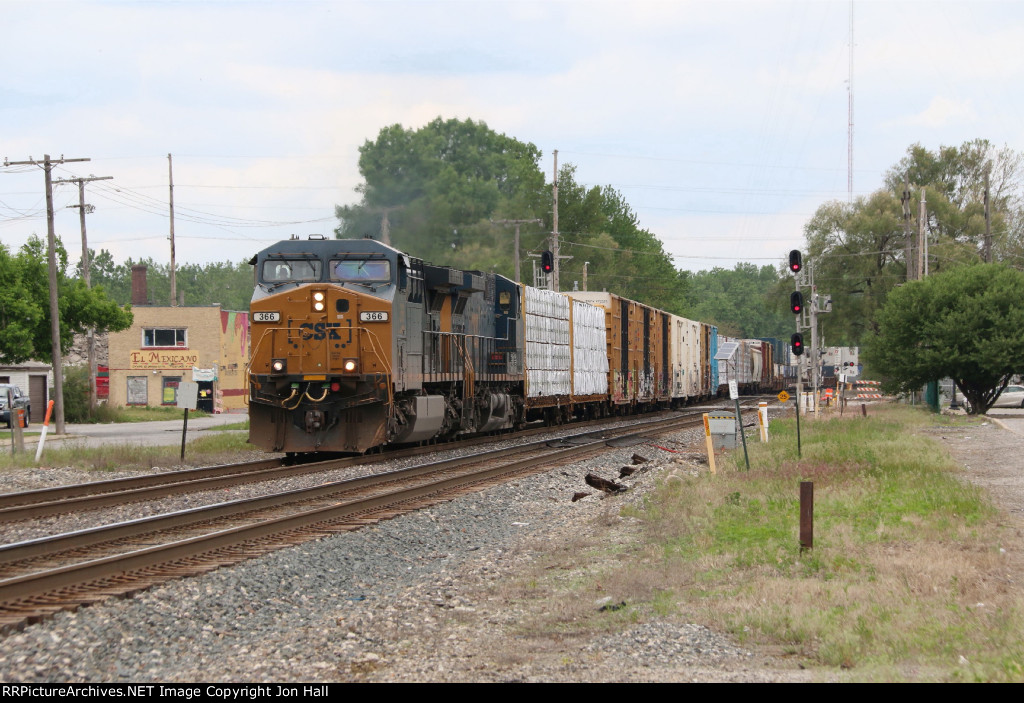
25, 330
435, 188
598, 226
859, 249
439, 190
964, 324
219, 283
20, 314
746, 301
954, 180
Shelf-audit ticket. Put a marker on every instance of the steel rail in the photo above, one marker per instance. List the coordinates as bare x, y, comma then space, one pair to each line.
118, 573
29, 505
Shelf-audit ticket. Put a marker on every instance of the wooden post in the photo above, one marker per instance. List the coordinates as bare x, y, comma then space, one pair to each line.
806, 515
710, 444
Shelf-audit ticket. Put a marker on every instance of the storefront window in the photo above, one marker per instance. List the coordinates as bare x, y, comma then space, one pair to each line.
170, 390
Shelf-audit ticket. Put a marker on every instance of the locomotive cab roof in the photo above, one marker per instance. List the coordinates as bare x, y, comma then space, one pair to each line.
362, 264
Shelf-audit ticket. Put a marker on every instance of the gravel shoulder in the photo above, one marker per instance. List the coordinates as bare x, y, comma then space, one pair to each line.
424, 597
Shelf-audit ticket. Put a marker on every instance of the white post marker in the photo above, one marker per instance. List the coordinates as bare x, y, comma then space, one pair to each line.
46, 426
711, 446
188, 398
762, 418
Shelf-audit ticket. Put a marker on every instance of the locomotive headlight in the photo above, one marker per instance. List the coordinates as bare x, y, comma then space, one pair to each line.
350, 365
319, 300
278, 365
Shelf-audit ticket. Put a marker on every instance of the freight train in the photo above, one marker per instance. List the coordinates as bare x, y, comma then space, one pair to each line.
356, 345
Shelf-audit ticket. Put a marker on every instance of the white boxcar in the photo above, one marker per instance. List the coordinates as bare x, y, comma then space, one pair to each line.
684, 358
589, 350
547, 341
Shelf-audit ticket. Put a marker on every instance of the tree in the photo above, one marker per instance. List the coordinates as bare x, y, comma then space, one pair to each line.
859, 249
746, 301
439, 188
435, 188
965, 324
25, 309
219, 283
598, 226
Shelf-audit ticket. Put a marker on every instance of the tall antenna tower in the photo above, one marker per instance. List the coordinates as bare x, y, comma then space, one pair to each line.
849, 138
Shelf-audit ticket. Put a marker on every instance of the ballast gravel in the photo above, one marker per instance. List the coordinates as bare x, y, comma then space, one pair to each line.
403, 600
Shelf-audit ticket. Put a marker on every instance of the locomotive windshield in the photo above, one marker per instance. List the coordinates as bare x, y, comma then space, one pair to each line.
361, 270
284, 270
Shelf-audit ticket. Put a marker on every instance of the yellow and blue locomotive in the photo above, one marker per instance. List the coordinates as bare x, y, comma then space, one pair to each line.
356, 344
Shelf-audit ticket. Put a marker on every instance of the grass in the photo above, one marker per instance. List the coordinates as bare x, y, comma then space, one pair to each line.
905, 581
214, 446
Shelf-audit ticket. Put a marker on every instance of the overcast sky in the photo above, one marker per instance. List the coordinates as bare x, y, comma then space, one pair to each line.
724, 124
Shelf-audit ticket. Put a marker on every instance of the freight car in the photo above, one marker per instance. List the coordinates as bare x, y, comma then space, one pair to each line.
355, 345
752, 363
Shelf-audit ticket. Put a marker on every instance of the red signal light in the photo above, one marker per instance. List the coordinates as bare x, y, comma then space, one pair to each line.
797, 341
795, 261
547, 261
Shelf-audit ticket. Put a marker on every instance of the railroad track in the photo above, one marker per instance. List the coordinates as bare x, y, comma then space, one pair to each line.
30, 505
42, 576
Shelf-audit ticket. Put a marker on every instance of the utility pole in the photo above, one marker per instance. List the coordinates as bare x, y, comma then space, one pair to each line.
51, 258
553, 282
86, 274
170, 181
815, 356
987, 253
586, 266
922, 239
516, 223
908, 242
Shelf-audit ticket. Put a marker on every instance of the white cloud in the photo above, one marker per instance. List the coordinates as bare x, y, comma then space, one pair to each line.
728, 113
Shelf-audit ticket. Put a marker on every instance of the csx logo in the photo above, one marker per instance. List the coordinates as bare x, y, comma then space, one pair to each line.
320, 330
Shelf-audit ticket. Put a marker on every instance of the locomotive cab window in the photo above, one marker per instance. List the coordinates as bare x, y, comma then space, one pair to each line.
361, 270
283, 270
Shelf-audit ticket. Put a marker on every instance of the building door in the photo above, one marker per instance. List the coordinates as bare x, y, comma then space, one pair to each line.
205, 402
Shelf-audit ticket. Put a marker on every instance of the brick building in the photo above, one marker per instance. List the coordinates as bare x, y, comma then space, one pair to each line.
168, 345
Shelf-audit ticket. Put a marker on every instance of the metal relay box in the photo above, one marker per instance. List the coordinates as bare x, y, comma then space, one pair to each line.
722, 426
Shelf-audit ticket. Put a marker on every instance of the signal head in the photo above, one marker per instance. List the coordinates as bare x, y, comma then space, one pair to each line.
796, 302
795, 261
797, 342
547, 261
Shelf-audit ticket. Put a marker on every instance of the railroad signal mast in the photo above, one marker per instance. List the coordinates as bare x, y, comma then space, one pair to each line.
806, 309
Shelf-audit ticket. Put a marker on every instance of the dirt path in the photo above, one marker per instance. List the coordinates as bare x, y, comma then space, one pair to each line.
992, 455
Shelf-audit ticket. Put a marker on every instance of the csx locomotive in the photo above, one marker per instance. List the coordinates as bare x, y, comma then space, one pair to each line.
355, 344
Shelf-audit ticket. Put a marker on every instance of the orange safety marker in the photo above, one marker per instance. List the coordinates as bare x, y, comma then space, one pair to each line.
46, 426
711, 447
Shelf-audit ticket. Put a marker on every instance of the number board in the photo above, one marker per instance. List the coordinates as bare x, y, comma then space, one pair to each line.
373, 317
